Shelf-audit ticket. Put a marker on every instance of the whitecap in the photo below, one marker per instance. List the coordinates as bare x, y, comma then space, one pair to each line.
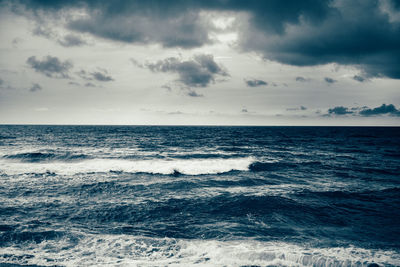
125, 250
154, 166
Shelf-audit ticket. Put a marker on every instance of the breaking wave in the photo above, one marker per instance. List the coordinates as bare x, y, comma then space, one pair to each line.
124, 250
155, 166
67, 163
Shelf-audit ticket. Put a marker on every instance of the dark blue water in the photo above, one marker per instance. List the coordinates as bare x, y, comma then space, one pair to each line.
202, 196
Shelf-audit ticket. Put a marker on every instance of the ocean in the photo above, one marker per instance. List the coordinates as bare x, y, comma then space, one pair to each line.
199, 196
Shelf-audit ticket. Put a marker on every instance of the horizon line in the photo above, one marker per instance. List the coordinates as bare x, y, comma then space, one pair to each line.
192, 125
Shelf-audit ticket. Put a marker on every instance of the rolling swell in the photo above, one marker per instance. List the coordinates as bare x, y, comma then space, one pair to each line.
33, 157
190, 218
209, 217
270, 166
280, 166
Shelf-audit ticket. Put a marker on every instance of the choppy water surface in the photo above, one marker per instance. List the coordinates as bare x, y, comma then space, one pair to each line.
203, 196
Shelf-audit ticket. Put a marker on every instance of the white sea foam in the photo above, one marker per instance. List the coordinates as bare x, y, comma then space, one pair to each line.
155, 166
124, 250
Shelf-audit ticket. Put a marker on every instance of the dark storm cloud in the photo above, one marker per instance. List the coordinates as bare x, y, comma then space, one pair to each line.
35, 87
354, 32
270, 15
329, 80
383, 109
339, 111
200, 71
186, 30
70, 40
301, 33
175, 23
50, 66
255, 83
395, 4
169, 23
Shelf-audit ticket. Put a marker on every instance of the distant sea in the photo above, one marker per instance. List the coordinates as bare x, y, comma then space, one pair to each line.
199, 196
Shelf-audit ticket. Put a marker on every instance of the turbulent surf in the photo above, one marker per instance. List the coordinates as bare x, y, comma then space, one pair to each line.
199, 196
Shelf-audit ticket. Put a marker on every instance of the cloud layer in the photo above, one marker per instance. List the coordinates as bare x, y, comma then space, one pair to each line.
340, 110
365, 33
384, 109
100, 75
70, 40
50, 66
200, 71
255, 83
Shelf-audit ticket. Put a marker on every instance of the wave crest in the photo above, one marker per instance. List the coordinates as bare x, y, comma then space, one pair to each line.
156, 166
45, 157
127, 250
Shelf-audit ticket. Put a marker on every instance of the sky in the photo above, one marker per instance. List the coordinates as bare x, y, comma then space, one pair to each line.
210, 62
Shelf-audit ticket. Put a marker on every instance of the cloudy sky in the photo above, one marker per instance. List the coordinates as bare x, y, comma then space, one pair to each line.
183, 62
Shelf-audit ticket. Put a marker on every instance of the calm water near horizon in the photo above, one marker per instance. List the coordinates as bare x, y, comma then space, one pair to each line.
199, 195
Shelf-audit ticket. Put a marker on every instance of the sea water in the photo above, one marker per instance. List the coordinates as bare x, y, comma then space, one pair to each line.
199, 196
